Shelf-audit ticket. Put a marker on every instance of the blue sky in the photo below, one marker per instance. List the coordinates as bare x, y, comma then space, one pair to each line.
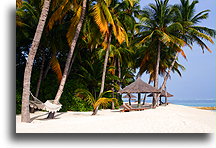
198, 80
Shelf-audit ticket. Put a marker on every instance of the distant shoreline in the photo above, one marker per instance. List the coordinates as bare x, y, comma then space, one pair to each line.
207, 108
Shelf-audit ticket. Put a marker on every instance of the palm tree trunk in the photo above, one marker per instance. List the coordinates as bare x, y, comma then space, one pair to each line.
25, 115
46, 71
73, 45
119, 72
72, 61
145, 93
113, 95
95, 110
167, 74
41, 75
113, 89
105, 64
165, 96
155, 100
70, 54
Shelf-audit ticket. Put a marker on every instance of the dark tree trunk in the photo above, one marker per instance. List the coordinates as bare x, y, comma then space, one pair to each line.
144, 99
25, 115
46, 71
41, 75
51, 115
129, 100
32, 110
160, 101
139, 96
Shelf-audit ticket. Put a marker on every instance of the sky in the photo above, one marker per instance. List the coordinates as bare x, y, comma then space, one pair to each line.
198, 80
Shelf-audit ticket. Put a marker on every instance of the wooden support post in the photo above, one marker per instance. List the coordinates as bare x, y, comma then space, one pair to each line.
129, 100
144, 99
139, 96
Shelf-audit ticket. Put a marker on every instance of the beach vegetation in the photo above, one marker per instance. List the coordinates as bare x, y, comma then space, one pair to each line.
95, 102
81, 53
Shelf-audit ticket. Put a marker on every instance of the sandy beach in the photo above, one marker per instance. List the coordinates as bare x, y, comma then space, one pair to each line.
169, 119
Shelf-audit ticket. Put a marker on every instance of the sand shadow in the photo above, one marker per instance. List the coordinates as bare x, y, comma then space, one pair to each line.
44, 119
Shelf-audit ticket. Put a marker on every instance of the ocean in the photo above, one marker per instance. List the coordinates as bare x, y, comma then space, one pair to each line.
186, 102
195, 102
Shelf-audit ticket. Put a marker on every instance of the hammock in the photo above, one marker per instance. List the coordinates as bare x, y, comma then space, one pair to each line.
48, 105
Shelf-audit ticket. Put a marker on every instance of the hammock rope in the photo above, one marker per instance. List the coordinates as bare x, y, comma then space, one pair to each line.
49, 105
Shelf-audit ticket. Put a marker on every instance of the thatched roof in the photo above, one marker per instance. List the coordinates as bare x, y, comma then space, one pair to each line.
139, 87
162, 94
129, 96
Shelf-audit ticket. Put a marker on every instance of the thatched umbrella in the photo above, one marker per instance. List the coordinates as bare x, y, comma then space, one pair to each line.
163, 94
129, 96
139, 86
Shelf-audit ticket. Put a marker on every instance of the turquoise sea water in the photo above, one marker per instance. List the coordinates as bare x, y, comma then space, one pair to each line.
195, 102
186, 102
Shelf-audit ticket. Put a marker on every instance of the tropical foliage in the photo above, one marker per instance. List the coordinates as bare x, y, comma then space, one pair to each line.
114, 39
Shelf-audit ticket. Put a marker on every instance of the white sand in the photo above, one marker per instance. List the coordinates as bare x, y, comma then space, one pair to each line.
169, 119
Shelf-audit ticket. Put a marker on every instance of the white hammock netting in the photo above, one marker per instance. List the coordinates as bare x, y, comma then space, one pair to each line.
49, 105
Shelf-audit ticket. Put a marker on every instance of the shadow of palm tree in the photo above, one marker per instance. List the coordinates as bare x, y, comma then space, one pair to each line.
35, 118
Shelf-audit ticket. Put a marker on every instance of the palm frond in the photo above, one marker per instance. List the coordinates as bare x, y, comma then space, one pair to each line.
104, 102
200, 16
85, 95
100, 18
18, 3
74, 22
56, 67
147, 37
200, 34
57, 15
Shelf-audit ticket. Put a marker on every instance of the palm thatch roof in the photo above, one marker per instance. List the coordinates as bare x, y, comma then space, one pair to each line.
139, 87
129, 96
162, 94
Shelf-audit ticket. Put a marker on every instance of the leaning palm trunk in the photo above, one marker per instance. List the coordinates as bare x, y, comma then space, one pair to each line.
155, 101
95, 110
25, 116
105, 64
167, 75
70, 54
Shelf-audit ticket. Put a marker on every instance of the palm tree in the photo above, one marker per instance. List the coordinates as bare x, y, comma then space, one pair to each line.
79, 17
25, 116
95, 102
108, 22
185, 15
158, 32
